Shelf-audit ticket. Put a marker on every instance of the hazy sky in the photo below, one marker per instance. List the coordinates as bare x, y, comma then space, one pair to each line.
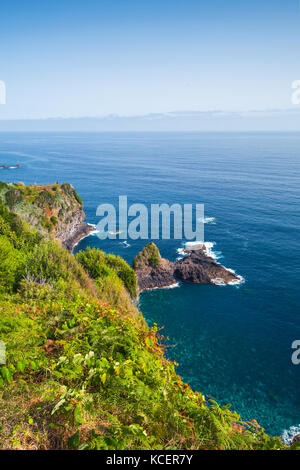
96, 57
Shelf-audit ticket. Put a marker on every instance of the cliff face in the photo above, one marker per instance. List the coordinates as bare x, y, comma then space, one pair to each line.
56, 211
153, 271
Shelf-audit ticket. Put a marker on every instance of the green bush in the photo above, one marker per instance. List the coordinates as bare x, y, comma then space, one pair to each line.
50, 262
124, 271
83, 375
13, 197
54, 220
67, 188
95, 262
92, 260
17, 231
154, 260
11, 262
148, 256
78, 198
45, 198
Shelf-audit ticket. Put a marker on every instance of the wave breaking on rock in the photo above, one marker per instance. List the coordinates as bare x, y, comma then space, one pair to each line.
197, 265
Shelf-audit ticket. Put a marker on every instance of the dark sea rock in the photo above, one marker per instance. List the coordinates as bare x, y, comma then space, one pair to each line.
153, 271
72, 229
77, 231
199, 268
296, 439
9, 166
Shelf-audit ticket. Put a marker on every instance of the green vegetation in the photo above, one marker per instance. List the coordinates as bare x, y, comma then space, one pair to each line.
54, 220
100, 265
70, 191
12, 197
148, 256
83, 369
49, 208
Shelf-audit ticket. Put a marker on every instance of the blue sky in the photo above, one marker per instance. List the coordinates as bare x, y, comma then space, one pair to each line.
127, 57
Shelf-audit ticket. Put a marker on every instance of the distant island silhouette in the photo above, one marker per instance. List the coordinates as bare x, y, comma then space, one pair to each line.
9, 166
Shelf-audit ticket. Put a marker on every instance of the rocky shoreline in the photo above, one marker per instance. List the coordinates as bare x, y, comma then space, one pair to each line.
197, 266
81, 231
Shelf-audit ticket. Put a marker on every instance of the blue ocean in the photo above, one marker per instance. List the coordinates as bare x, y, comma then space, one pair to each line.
232, 343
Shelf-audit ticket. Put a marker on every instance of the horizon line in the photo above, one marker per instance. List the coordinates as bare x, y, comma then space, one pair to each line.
178, 113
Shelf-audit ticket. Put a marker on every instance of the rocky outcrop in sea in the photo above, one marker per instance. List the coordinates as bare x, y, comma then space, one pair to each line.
197, 266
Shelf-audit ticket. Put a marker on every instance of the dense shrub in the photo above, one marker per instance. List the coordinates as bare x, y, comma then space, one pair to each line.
54, 220
45, 197
95, 262
13, 197
124, 271
67, 188
17, 231
83, 375
148, 256
154, 260
50, 262
78, 198
11, 263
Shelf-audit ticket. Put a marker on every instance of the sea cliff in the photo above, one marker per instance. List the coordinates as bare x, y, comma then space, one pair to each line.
55, 210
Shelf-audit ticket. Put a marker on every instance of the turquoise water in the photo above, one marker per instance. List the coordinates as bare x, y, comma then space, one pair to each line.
232, 343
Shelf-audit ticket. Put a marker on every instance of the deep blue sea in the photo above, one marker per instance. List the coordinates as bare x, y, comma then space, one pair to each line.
233, 343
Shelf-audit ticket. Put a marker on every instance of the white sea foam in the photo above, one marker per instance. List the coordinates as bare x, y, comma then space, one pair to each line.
218, 281
208, 220
90, 233
211, 252
76, 245
171, 286
231, 270
236, 282
95, 231
289, 434
208, 249
181, 253
215, 255
125, 244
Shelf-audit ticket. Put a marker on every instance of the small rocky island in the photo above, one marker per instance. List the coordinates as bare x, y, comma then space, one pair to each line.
3, 167
153, 271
